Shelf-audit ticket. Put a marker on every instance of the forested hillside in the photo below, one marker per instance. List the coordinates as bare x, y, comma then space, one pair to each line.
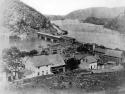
22, 19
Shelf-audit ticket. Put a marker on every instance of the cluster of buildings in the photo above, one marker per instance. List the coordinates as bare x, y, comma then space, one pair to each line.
91, 56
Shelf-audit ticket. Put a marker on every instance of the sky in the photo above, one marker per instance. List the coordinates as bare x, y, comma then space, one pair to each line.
63, 7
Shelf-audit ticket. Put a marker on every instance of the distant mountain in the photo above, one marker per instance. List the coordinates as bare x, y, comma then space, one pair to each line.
97, 21
21, 19
118, 23
99, 12
111, 18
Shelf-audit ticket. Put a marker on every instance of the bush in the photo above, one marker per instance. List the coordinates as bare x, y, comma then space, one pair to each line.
33, 52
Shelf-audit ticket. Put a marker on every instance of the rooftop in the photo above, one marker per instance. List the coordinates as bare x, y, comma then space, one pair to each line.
47, 60
91, 59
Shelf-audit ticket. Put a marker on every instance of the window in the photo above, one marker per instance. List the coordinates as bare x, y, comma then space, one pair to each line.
86, 60
38, 74
42, 72
91, 67
46, 72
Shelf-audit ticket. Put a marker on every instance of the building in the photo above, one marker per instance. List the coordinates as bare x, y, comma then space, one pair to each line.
42, 65
88, 62
113, 55
58, 69
56, 48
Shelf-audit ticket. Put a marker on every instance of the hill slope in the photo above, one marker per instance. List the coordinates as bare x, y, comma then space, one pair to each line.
98, 12
22, 19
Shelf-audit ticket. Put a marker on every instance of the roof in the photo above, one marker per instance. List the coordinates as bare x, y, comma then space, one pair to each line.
114, 53
80, 56
47, 60
90, 59
100, 50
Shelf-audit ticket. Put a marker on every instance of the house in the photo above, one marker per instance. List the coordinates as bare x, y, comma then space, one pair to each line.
114, 56
88, 62
42, 65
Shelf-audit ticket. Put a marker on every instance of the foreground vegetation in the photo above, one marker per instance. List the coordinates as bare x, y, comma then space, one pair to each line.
77, 79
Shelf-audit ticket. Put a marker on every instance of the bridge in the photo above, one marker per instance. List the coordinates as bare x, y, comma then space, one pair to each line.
54, 38
48, 37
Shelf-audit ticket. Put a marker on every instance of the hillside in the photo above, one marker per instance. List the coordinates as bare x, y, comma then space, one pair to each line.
111, 18
117, 23
97, 21
99, 12
24, 20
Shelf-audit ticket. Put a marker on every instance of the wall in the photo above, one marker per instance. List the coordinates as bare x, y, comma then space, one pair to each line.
44, 70
93, 65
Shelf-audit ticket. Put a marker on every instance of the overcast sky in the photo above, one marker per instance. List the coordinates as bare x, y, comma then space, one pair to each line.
62, 7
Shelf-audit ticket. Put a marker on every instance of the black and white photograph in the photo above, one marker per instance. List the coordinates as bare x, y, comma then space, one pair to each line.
62, 46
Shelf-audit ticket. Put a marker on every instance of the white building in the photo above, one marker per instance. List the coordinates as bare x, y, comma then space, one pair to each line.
41, 65
88, 62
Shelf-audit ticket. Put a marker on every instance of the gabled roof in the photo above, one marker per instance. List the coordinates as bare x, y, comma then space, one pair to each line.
91, 59
47, 60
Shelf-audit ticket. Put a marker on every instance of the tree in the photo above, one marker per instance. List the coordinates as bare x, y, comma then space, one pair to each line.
13, 61
72, 63
33, 52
